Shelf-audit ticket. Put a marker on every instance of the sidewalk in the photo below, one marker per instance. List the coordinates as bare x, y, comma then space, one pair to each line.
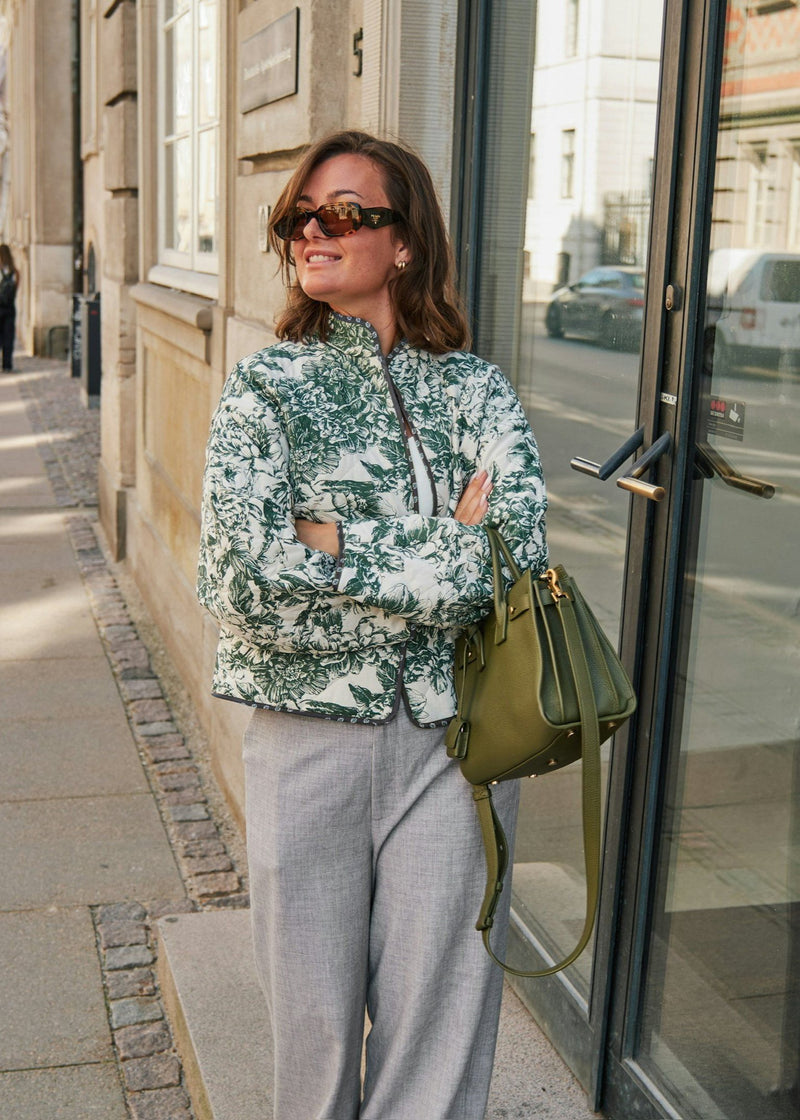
109, 822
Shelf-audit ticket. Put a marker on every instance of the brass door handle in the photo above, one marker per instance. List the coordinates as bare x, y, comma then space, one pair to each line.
633, 481
710, 462
605, 470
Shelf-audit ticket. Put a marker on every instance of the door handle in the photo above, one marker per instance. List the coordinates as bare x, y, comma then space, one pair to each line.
633, 481
710, 462
605, 470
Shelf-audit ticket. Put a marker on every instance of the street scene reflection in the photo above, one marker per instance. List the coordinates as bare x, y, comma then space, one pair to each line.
719, 1025
595, 89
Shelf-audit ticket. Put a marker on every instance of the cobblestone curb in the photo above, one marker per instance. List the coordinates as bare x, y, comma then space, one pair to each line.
150, 1069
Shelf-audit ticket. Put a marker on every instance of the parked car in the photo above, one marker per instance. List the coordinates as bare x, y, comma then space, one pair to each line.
605, 304
752, 310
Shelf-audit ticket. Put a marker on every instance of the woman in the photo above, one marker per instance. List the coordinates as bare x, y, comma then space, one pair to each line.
9, 281
350, 467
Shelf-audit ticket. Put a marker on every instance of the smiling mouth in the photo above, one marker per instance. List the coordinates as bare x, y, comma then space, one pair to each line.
320, 258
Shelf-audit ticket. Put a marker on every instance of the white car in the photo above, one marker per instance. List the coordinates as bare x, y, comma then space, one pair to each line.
752, 310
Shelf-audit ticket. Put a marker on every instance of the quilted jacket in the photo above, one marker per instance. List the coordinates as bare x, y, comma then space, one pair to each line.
317, 431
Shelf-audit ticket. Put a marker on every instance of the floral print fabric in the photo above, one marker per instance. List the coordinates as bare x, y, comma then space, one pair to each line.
316, 431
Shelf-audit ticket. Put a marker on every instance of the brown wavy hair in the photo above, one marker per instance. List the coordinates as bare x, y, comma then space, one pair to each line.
425, 299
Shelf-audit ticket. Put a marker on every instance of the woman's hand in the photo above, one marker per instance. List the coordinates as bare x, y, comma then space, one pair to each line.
323, 538
474, 502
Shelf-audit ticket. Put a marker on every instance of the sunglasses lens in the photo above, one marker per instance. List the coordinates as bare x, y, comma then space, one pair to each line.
291, 227
339, 219
335, 220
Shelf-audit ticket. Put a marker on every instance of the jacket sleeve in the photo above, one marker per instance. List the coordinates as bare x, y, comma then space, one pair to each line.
254, 575
435, 571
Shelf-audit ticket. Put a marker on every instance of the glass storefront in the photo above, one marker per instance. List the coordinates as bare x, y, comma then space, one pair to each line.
720, 1029
631, 247
593, 124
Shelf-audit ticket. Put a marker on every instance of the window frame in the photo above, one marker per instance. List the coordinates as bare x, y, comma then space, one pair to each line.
195, 271
568, 153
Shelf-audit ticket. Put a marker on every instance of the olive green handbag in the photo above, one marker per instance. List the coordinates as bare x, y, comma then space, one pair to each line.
539, 686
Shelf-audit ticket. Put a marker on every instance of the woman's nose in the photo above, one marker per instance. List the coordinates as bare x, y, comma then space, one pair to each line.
316, 231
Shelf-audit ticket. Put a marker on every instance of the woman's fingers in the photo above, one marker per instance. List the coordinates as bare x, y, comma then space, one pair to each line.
474, 502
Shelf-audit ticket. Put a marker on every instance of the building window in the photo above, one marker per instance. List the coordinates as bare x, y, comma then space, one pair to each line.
189, 135
568, 163
571, 29
532, 167
760, 197
794, 200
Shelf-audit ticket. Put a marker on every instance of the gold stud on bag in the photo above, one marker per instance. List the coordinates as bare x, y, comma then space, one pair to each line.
539, 686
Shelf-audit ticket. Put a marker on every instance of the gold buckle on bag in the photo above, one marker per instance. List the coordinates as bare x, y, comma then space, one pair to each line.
553, 586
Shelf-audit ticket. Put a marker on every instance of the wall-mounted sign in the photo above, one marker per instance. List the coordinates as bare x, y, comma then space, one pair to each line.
269, 62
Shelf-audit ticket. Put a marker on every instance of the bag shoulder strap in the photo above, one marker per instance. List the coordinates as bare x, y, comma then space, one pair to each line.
494, 837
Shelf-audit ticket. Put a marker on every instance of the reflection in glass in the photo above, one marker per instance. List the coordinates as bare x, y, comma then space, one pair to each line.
178, 76
207, 191
720, 1026
207, 62
178, 174
594, 115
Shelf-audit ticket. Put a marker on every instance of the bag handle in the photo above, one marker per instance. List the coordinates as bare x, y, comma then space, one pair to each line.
497, 546
494, 837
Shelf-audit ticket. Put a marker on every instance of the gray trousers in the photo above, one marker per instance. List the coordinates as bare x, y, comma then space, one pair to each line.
367, 873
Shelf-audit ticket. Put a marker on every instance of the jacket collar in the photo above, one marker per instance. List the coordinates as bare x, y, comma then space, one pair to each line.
356, 336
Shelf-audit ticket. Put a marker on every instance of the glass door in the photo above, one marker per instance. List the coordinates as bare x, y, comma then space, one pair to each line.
715, 1026
554, 240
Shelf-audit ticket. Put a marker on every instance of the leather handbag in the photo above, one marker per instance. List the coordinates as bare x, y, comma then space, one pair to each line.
539, 686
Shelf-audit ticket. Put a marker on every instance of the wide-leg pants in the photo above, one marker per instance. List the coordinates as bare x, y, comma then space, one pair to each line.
367, 872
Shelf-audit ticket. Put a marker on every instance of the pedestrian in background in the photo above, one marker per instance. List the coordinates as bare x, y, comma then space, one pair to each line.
9, 282
349, 470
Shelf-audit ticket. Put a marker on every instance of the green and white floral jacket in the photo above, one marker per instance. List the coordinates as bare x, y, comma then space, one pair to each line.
317, 431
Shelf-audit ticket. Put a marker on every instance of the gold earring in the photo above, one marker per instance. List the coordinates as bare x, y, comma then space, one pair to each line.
400, 265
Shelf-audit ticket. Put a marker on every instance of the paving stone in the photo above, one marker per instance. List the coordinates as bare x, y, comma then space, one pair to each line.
161, 1071
147, 689
128, 956
115, 933
138, 1009
174, 766
196, 830
221, 862
150, 711
176, 752
223, 883
194, 812
73, 851
132, 655
183, 797
202, 849
118, 634
180, 779
160, 1104
130, 982
142, 1039
82, 1092
121, 912
160, 727
52, 1006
